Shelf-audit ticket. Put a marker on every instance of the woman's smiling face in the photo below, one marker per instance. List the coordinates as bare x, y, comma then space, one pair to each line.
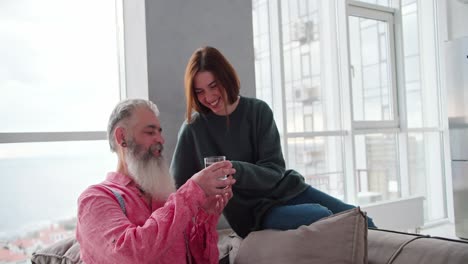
209, 92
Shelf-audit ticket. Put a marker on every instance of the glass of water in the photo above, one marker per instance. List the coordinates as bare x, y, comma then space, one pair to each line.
213, 159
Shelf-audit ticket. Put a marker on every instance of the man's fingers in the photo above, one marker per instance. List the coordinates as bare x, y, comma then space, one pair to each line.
220, 164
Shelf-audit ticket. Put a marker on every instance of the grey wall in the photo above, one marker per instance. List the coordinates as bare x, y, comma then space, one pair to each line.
175, 29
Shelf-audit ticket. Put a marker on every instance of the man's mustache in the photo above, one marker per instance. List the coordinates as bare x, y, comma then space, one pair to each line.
158, 146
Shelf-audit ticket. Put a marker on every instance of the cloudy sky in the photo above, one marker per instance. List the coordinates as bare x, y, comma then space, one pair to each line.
58, 72
58, 65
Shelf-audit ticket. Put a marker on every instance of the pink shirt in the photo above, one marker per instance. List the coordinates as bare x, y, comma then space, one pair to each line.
159, 233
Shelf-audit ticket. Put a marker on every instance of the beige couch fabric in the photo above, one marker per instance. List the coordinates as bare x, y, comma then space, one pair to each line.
66, 251
228, 245
340, 238
390, 247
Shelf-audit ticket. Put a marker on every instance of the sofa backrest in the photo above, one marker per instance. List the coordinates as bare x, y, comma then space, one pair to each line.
385, 247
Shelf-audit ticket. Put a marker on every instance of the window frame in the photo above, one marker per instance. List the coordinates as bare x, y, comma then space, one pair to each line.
384, 14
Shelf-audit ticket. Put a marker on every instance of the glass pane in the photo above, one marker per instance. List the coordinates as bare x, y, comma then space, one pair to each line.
310, 94
410, 29
40, 186
377, 177
319, 160
412, 73
405, 2
262, 51
371, 70
426, 173
59, 63
420, 68
413, 108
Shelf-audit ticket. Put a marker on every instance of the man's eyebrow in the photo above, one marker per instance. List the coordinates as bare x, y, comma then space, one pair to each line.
154, 127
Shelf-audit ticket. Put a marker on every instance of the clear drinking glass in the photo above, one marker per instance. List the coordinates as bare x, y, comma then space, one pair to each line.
213, 159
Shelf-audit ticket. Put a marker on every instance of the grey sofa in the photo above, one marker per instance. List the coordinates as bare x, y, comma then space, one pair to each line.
385, 246
340, 239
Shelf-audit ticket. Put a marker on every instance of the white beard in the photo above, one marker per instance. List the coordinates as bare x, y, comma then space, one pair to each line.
149, 173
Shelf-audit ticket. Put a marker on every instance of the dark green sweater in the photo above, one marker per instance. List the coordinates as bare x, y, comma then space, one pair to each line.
251, 142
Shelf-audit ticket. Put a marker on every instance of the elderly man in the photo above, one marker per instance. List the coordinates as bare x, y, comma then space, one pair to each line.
135, 215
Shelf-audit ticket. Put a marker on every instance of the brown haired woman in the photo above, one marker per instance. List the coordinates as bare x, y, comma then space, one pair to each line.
221, 122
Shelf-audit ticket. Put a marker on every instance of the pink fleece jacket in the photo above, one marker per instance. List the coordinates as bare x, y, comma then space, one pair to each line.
158, 233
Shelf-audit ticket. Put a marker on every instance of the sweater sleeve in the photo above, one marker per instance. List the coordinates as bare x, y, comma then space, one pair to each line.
184, 161
103, 231
269, 165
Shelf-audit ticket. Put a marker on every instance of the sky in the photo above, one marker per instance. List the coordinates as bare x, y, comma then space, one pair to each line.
58, 63
58, 72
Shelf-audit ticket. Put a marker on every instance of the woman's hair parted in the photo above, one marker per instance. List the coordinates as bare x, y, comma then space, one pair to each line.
209, 59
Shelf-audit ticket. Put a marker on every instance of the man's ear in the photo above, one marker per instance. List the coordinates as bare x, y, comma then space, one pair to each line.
119, 135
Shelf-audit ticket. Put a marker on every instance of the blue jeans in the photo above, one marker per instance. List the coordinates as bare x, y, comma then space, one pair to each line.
304, 209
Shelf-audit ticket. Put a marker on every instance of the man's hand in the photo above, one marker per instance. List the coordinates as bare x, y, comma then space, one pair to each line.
209, 179
215, 204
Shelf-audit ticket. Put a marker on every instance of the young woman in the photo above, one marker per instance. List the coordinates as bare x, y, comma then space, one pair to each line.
221, 122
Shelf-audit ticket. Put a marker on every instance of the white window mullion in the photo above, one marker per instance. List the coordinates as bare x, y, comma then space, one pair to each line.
346, 104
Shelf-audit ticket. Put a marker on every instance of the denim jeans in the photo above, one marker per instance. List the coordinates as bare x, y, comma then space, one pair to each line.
304, 209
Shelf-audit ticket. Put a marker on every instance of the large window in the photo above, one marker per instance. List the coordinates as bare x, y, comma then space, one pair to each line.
358, 110
59, 80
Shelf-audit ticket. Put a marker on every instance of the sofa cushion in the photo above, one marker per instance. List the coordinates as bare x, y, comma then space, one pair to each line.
66, 251
228, 245
340, 238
